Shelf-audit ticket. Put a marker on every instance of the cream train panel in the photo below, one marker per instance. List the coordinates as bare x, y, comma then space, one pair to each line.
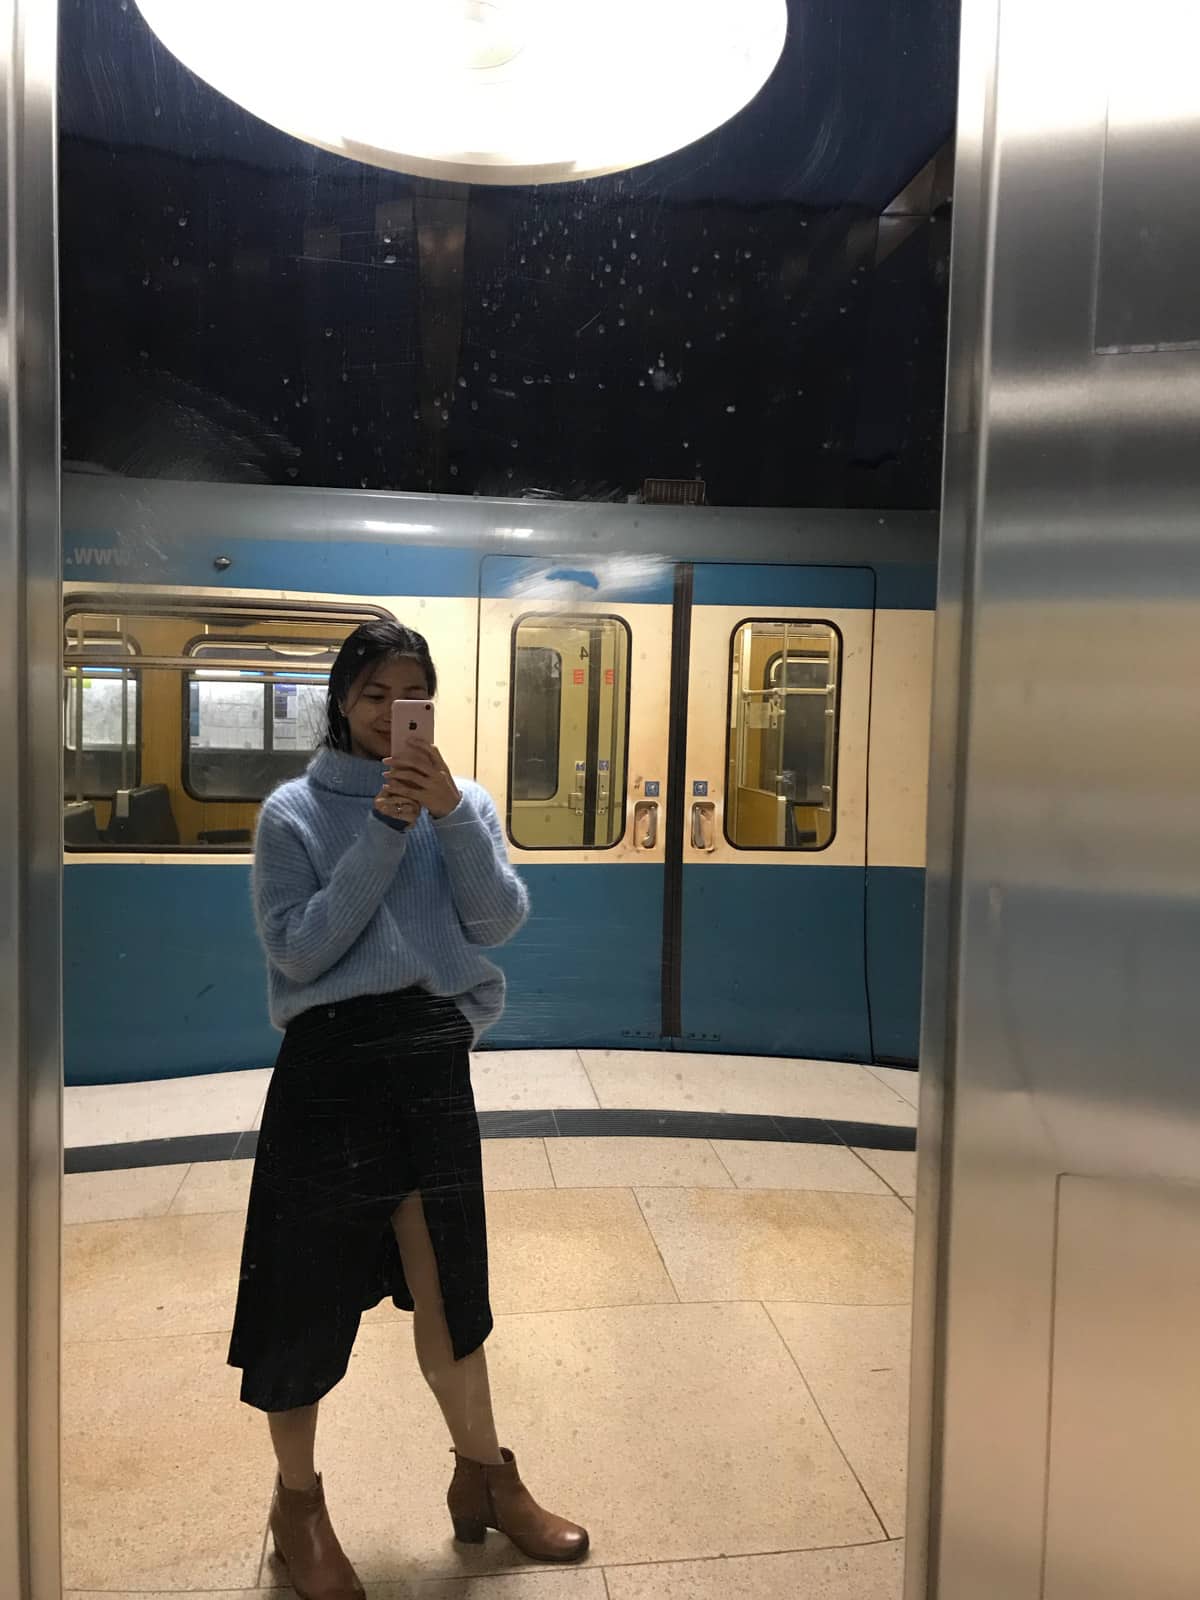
448, 624
901, 678
649, 709
713, 628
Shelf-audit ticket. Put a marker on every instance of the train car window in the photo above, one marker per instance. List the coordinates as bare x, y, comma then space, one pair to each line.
101, 716
783, 734
253, 726
568, 732
226, 701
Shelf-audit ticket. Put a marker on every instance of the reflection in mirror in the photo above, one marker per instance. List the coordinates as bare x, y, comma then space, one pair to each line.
548, 1093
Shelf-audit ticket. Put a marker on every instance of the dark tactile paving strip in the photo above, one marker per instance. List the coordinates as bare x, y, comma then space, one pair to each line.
590, 1124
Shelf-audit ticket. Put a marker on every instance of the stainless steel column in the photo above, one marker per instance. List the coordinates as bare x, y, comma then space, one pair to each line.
1056, 1413
30, 810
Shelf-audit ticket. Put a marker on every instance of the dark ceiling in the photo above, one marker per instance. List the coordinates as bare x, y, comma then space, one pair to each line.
764, 310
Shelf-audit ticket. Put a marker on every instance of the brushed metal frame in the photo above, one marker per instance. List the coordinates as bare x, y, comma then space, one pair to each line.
30, 811
1060, 1011
962, 476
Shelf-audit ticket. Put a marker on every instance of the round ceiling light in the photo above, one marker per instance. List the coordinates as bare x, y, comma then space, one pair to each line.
483, 91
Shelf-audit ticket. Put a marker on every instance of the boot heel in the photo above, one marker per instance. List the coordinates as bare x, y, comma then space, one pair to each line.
468, 1530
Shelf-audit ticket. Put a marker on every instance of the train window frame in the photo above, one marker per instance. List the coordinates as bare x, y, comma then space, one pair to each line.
133, 650
203, 797
568, 617
215, 609
730, 726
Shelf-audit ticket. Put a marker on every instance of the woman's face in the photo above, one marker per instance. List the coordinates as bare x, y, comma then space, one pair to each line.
368, 709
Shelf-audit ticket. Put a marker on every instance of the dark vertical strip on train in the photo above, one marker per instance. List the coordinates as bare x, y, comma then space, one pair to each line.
591, 776
672, 941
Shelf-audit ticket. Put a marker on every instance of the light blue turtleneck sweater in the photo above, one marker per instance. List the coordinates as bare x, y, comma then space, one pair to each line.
347, 905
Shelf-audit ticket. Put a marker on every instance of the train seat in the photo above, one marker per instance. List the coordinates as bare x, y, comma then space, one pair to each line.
79, 823
142, 816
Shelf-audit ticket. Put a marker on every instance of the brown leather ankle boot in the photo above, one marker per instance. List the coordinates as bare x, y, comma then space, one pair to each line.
308, 1547
483, 1497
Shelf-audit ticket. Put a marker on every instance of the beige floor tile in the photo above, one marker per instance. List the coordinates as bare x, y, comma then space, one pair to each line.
758, 1164
855, 1359
905, 1084
747, 1244
661, 1081
896, 1167
165, 1275
594, 1163
516, 1164
214, 1186
530, 1080
584, 1583
558, 1249
674, 1432
861, 1572
118, 1196
116, 1113
166, 1475
166, 1594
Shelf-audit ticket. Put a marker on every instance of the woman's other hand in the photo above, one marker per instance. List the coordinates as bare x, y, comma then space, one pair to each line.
419, 775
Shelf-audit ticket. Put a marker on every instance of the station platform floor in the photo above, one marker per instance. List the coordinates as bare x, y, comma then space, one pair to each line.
700, 1270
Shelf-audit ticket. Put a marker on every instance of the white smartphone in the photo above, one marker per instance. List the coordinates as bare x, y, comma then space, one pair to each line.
411, 719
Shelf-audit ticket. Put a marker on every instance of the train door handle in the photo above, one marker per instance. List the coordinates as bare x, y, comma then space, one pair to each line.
645, 824
703, 826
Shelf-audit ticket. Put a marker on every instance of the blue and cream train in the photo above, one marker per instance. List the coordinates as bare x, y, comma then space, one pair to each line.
707, 730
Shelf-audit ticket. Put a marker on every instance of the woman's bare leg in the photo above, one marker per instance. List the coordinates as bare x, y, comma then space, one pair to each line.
461, 1388
293, 1433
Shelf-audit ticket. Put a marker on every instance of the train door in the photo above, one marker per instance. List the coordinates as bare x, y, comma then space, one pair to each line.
771, 835
574, 680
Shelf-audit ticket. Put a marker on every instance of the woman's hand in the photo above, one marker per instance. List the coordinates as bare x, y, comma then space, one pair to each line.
419, 775
392, 803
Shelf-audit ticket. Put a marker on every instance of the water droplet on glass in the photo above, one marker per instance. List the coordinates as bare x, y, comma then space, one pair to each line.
512, 444
695, 270
620, 322
731, 409
183, 221
445, 416
329, 333
286, 381
474, 405
174, 261
145, 279
528, 378
293, 472
453, 470
389, 260
600, 328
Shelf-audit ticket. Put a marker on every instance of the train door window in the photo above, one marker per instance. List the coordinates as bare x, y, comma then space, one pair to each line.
101, 721
254, 721
782, 762
568, 732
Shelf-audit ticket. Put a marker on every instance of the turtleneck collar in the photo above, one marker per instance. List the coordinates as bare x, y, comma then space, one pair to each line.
345, 774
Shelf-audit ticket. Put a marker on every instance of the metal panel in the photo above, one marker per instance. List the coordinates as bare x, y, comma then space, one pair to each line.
1061, 1008
30, 812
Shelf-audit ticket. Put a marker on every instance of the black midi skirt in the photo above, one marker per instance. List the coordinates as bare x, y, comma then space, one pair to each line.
370, 1100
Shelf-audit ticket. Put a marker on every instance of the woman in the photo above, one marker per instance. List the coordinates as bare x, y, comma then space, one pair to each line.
377, 886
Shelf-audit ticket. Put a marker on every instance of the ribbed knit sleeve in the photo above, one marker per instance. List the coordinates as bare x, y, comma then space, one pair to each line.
306, 929
489, 896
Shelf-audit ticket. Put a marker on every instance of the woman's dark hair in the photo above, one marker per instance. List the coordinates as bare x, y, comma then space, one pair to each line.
370, 642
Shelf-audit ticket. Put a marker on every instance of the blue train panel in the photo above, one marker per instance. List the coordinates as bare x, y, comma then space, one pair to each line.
895, 929
774, 962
